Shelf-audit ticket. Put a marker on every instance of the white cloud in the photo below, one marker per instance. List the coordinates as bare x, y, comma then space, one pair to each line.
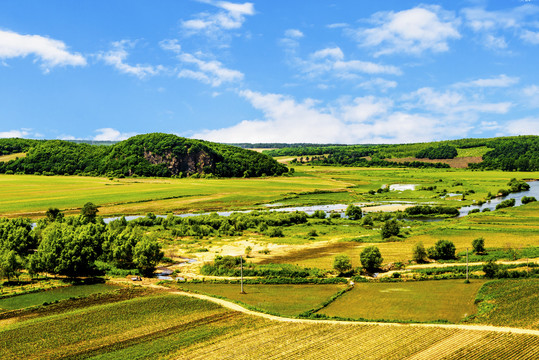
411, 31
451, 102
293, 33
526, 126
531, 37
109, 134
50, 52
117, 56
331, 62
211, 72
378, 83
494, 26
531, 95
14, 133
230, 17
499, 81
360, 120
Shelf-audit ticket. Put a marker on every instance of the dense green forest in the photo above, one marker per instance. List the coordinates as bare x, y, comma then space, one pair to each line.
517, 153
504, 153
156, 154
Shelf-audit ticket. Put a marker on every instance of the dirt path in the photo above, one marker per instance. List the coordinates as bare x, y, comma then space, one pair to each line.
233, 306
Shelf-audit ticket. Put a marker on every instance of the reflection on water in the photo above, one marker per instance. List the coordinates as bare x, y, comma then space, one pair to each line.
340, 208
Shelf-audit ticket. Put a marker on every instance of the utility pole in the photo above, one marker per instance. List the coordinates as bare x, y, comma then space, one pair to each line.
241, 264
467, 279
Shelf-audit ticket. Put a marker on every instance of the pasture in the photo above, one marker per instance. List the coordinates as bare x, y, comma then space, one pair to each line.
448, 300
286, 300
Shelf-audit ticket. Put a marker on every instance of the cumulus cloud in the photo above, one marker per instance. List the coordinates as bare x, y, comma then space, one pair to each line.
49, 52
412, 31
360, 120
525, 126
117, 56
15, 133
109, 134
531, 37
231, 16
498, 81
293, 33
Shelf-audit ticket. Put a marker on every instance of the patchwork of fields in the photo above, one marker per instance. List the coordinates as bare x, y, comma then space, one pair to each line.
166, 326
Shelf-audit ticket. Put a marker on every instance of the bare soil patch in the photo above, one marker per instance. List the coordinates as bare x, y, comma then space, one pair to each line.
457, 163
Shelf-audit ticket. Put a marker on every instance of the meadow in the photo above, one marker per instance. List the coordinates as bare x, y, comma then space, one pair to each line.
286, 300
448, 300
30, 195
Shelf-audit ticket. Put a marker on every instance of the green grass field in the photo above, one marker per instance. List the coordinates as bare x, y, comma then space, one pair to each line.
509, 303
286, 300
450, 300
31, 195
56, 294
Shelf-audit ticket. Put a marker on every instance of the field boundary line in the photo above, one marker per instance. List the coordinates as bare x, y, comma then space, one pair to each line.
236, 307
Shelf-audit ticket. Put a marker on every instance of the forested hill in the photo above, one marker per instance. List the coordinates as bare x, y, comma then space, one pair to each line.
156, 154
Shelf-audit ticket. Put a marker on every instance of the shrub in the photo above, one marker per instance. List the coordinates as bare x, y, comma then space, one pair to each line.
419, 253
506, 203
528, 199
490, 269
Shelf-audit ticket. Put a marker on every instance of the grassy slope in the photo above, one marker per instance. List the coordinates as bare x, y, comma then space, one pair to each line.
287, 300
509, 303
450, 300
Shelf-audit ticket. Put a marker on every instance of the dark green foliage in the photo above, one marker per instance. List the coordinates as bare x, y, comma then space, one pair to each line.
319, 214
371, 258
518, 185
342, 264
16, 145
506, 203
528, 199
16, 235
10, 264
146, 255
54, 214
440, 152
353, 212
156, 154
419, 253
512, 153
490, 268
442, 250
89, 212
425, 210
230, 266
479, 245
390, 228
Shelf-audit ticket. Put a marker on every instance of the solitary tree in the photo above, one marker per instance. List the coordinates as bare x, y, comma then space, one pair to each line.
479, 245
342, 264
353, 212
389, 229
371, 258
89, 211
443, 249
490, 269
419, 253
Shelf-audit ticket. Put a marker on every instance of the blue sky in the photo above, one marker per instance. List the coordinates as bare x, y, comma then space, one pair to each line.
341, 71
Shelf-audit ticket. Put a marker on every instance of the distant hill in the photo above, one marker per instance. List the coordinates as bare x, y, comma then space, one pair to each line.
155, 154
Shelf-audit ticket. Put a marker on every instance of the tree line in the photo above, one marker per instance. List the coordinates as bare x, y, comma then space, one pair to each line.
157, 154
